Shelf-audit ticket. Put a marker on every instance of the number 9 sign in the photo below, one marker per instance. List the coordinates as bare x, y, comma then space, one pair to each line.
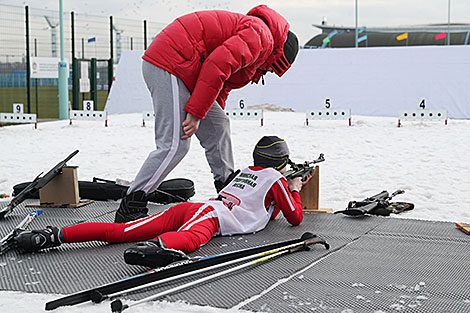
18, 108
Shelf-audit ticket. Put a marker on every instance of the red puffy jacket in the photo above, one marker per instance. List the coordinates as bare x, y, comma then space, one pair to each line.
213, 52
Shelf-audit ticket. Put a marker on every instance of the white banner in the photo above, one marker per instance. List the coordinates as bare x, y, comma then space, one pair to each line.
42, 67
369, 81
84, 78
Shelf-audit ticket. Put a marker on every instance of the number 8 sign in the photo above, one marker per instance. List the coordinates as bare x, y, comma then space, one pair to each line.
88, 105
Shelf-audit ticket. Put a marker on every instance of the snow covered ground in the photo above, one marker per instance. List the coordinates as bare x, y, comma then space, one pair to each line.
428, 160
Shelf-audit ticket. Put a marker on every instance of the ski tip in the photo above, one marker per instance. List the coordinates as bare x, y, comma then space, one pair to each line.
51, 306
97, 297
117, 306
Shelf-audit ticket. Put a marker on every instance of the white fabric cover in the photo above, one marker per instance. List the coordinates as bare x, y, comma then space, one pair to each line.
369, 81
129, 93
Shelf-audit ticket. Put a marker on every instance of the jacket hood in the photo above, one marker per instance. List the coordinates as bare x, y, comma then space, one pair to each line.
276, 23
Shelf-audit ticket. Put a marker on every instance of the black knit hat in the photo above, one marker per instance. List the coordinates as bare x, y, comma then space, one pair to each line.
271, 151
291, 47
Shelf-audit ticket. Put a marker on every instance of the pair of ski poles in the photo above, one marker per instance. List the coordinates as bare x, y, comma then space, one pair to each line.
117, 306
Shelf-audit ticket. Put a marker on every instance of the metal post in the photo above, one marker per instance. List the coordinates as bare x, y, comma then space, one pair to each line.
36, 80
111, 36
356, 43
72, 21
83, 48
132, 43
75, 85
111, 60
448, 23
74, 72
28, 61
63, 72
110, 74
145, 34
93, 83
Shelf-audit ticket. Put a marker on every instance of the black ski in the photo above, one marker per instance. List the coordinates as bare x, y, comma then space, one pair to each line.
8, 241
97, 293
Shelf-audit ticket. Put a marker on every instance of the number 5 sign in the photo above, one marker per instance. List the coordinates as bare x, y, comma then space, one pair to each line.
88, 105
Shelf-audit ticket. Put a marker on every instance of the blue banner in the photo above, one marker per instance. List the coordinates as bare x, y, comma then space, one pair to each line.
361, 39
92, 39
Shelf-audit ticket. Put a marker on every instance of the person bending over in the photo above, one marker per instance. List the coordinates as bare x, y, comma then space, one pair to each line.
254, 197
190, 68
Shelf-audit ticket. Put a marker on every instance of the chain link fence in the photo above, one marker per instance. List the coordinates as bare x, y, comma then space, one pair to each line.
26, 33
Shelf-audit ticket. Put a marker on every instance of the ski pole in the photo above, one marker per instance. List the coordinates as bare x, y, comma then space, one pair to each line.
167, 271
97, 297
117, 306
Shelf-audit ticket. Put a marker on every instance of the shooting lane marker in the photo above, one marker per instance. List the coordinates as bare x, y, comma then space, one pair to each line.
245, 114
18, 119
18, 116
147, 116
328, 114
422, 115
88, 114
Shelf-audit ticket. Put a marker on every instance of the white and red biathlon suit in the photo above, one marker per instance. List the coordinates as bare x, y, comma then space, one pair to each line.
253, 198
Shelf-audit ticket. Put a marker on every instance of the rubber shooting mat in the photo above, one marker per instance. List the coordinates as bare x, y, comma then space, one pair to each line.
375, 264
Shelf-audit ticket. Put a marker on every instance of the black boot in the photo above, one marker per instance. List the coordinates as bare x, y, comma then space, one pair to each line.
219, 185
133, 206
150, 253
35, 240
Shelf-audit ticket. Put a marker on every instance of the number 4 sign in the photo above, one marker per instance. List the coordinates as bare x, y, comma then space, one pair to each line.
88, 105
422, 104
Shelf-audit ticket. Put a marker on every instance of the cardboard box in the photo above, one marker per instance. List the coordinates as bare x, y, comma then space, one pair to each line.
62, 190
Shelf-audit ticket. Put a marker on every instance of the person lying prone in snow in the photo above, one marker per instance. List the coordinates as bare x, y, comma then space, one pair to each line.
255, 196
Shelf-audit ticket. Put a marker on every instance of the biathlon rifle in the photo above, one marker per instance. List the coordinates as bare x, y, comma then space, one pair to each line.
376, 205
302, 169
35, 185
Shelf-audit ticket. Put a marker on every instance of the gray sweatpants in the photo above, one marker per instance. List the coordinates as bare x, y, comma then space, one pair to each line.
169, 96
